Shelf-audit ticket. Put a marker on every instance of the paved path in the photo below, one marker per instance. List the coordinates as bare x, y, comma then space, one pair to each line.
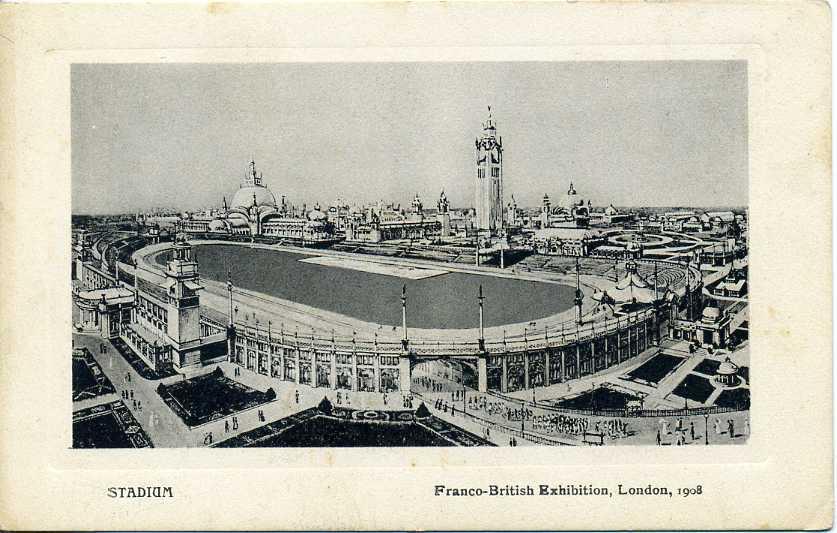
166, 429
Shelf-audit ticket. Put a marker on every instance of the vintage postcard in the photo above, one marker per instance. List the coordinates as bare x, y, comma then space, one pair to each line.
417, 266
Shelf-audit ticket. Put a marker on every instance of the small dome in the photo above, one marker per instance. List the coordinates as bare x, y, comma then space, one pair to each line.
316, 214
727, 368
217, 225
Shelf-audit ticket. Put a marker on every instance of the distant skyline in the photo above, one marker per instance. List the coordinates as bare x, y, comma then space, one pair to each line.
628, 133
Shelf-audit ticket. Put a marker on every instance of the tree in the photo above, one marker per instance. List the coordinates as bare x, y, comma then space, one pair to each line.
422, 411
325, 406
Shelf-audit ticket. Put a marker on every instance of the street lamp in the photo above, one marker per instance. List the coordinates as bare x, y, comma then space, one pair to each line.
706, 433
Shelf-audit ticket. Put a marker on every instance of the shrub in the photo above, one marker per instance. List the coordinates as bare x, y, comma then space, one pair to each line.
325, 406
161, 389
270, 394
217, 373
422, 411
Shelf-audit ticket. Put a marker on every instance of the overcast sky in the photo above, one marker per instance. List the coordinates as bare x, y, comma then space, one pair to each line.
627, 133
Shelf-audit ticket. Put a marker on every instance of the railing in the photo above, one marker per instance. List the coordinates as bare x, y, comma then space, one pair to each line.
545, 339
619, 413
532, 437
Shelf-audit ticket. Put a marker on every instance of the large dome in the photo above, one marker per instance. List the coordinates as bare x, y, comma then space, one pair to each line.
243, 197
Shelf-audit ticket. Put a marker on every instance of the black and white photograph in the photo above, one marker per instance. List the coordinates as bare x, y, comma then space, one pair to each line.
417, 266
410, 254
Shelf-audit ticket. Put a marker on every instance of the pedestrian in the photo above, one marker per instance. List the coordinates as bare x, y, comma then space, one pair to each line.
731, 428
235, 423
132, 394
226, 426
339, 398
296, 395
139, 405
692, 430
747, 427
659, 438
134, 402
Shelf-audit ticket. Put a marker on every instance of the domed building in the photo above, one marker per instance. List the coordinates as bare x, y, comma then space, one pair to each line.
252, 203
254, 211
727, 373
571, 200
571, 211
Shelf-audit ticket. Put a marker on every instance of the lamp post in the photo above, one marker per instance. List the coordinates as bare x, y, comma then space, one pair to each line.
404, 341
706, 433
480, 299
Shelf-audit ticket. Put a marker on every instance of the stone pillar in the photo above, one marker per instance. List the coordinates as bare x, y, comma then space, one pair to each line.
298, 367
618, 346
354, 371
526, 382
377, 370
104, 322
504, 377
577, 359
593, 354
482, 373
404, 373
563, 366
606, 353
313, 369
333, 377
547, 369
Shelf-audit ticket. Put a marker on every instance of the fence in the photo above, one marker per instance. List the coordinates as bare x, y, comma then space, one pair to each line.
620, 413
514, 432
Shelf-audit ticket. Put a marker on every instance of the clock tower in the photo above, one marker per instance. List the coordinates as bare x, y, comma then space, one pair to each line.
489, 179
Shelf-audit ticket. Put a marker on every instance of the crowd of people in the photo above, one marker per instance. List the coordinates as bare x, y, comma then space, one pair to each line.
489, 407
428, 383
